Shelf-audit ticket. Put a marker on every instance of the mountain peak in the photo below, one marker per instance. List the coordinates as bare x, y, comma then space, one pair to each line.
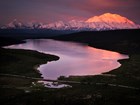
110, 14
107, 21
110, 18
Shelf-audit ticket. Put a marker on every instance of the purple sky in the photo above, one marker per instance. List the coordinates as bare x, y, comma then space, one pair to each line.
54, 10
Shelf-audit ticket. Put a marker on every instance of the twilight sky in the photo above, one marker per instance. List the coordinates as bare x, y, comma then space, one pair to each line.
54, 10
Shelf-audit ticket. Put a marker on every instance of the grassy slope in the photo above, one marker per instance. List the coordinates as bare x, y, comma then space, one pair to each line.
19, 62
127, 42
81, 94
124, 41
22, 62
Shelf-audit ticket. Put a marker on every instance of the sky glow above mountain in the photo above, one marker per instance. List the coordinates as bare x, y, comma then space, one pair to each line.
65, 10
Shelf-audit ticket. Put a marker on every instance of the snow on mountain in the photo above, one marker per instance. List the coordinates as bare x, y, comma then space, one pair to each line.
106, 21
110, 18
71, 25
19, 25
14, 24
112, 21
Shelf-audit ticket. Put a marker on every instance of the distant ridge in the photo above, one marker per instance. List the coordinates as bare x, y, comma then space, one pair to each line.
105, 21
110, 18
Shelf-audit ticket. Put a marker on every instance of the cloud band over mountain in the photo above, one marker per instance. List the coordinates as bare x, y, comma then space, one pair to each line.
106, 21
54, 10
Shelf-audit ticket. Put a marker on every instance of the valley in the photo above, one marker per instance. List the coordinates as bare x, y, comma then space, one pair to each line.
18, 91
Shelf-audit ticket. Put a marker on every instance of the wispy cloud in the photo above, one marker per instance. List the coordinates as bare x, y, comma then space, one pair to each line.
53, 10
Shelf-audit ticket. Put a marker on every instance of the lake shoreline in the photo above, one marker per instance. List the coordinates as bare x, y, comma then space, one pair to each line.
82, 94
35, 67
71, 53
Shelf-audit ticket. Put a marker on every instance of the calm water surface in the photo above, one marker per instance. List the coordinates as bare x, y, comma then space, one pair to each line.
75, 58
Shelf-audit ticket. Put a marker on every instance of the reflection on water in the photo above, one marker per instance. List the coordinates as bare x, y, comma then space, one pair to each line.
75, 58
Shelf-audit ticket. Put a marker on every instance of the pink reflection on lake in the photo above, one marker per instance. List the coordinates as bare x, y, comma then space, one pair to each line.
75, 58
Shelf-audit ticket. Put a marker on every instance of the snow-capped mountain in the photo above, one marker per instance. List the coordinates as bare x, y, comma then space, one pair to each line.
112, 21
106, 21
19, 25
110, 18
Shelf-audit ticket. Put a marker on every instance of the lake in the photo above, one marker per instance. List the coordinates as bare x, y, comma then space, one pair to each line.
75, 58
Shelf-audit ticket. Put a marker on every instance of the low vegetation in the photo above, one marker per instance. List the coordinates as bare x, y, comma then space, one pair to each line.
96, 91
24, 63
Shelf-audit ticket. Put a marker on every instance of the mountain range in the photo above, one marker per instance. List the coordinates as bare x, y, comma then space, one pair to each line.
106, 21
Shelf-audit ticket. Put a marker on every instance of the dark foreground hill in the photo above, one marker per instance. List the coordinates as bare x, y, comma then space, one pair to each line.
124, 81
124, 41
31, 33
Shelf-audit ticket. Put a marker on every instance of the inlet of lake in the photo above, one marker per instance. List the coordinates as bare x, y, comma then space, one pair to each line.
76, 59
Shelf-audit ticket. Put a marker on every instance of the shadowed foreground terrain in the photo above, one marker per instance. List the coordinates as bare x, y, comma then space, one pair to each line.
124, 41
19, 91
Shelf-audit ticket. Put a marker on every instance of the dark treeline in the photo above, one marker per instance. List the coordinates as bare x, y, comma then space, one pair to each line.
124, 41
19, 91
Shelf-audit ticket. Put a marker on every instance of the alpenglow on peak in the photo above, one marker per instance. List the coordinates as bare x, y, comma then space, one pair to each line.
105, 21
110, 18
